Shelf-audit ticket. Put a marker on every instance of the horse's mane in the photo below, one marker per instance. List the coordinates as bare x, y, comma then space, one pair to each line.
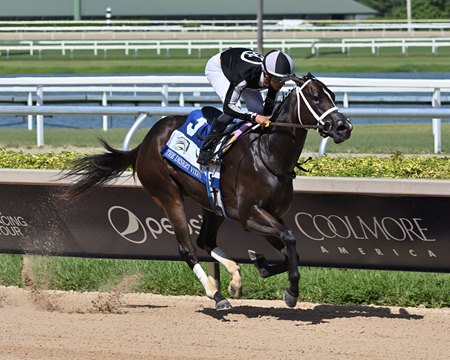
280, 105
297, 82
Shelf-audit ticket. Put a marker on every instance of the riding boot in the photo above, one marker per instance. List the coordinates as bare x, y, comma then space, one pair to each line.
208, 147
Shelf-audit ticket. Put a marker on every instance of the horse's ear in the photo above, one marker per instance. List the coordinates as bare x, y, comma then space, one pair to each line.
298, 81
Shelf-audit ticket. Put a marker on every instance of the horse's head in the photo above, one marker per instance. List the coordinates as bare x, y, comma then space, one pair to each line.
316, 106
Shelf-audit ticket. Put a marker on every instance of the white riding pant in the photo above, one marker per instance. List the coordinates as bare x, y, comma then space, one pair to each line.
252, 97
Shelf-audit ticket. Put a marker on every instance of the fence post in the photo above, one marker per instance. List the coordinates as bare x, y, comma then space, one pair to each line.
436, 103
30, 117
39, 118
104, 117
165, 95
323, 146
181, 98
137, 123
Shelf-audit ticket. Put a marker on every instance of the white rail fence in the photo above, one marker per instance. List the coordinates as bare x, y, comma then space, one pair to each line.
232, 25
132, 47
165, 88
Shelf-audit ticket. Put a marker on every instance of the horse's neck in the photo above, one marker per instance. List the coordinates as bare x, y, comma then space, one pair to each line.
285, 147
283, 144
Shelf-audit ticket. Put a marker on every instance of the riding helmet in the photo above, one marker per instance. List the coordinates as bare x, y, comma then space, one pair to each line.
279, 65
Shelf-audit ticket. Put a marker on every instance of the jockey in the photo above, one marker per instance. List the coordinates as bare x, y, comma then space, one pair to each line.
242, 73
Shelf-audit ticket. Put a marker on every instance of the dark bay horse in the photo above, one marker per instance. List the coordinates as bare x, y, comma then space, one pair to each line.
256, 178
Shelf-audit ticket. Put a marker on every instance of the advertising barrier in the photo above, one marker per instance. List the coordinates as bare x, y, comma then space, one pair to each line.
345, 223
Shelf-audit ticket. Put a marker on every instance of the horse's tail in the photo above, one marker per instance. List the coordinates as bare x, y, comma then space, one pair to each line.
96, 170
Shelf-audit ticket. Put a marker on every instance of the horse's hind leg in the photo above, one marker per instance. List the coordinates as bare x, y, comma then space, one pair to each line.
176, 214
207, 241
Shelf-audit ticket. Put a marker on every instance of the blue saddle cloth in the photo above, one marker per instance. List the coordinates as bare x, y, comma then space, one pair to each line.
184, 145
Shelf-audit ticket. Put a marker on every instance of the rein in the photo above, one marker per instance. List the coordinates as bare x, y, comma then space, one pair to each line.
300, 126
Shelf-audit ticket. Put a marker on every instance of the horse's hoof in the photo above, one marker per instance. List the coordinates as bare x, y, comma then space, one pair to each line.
289, 299
223, 305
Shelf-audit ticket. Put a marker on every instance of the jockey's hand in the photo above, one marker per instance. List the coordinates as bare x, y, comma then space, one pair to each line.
263, 120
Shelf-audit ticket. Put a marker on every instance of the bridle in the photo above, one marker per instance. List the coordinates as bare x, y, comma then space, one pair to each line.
322, 126
326, 125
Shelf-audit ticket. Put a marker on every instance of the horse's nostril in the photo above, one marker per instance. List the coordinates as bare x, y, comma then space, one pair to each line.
344, 126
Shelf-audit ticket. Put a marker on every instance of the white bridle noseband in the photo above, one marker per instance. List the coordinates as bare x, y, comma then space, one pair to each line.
299, 92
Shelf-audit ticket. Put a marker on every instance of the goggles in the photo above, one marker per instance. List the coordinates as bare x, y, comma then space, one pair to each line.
280, 79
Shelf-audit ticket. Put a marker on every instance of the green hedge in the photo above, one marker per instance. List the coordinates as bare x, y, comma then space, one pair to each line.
394, 166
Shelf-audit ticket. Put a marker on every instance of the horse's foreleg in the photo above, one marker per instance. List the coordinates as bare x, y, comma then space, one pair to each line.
261, 222
266, 269
207, 241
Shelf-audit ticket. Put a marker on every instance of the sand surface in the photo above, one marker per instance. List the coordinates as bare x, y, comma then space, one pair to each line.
37, 324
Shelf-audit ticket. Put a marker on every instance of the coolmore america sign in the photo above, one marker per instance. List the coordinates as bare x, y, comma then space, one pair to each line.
336, 230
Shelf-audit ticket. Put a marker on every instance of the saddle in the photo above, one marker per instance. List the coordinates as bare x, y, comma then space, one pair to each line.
231, 133
183, 147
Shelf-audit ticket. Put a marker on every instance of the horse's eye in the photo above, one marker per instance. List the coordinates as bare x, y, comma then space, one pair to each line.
316, 99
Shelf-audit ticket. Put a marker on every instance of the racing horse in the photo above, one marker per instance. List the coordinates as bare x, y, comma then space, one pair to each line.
256, 182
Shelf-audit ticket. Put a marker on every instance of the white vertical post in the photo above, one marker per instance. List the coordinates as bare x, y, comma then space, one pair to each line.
39, 118
409, 15
137, 123
181, 98
323, 146
108, 16
30, 117
345, 100
104, 117
165, 95
436, 102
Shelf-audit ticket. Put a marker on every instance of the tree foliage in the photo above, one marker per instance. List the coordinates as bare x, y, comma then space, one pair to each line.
421, 9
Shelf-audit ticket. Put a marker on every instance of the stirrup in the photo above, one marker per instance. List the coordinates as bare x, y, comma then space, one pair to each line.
205, 157
207, 161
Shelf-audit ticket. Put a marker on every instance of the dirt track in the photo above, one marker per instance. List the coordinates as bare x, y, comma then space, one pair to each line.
70, 325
